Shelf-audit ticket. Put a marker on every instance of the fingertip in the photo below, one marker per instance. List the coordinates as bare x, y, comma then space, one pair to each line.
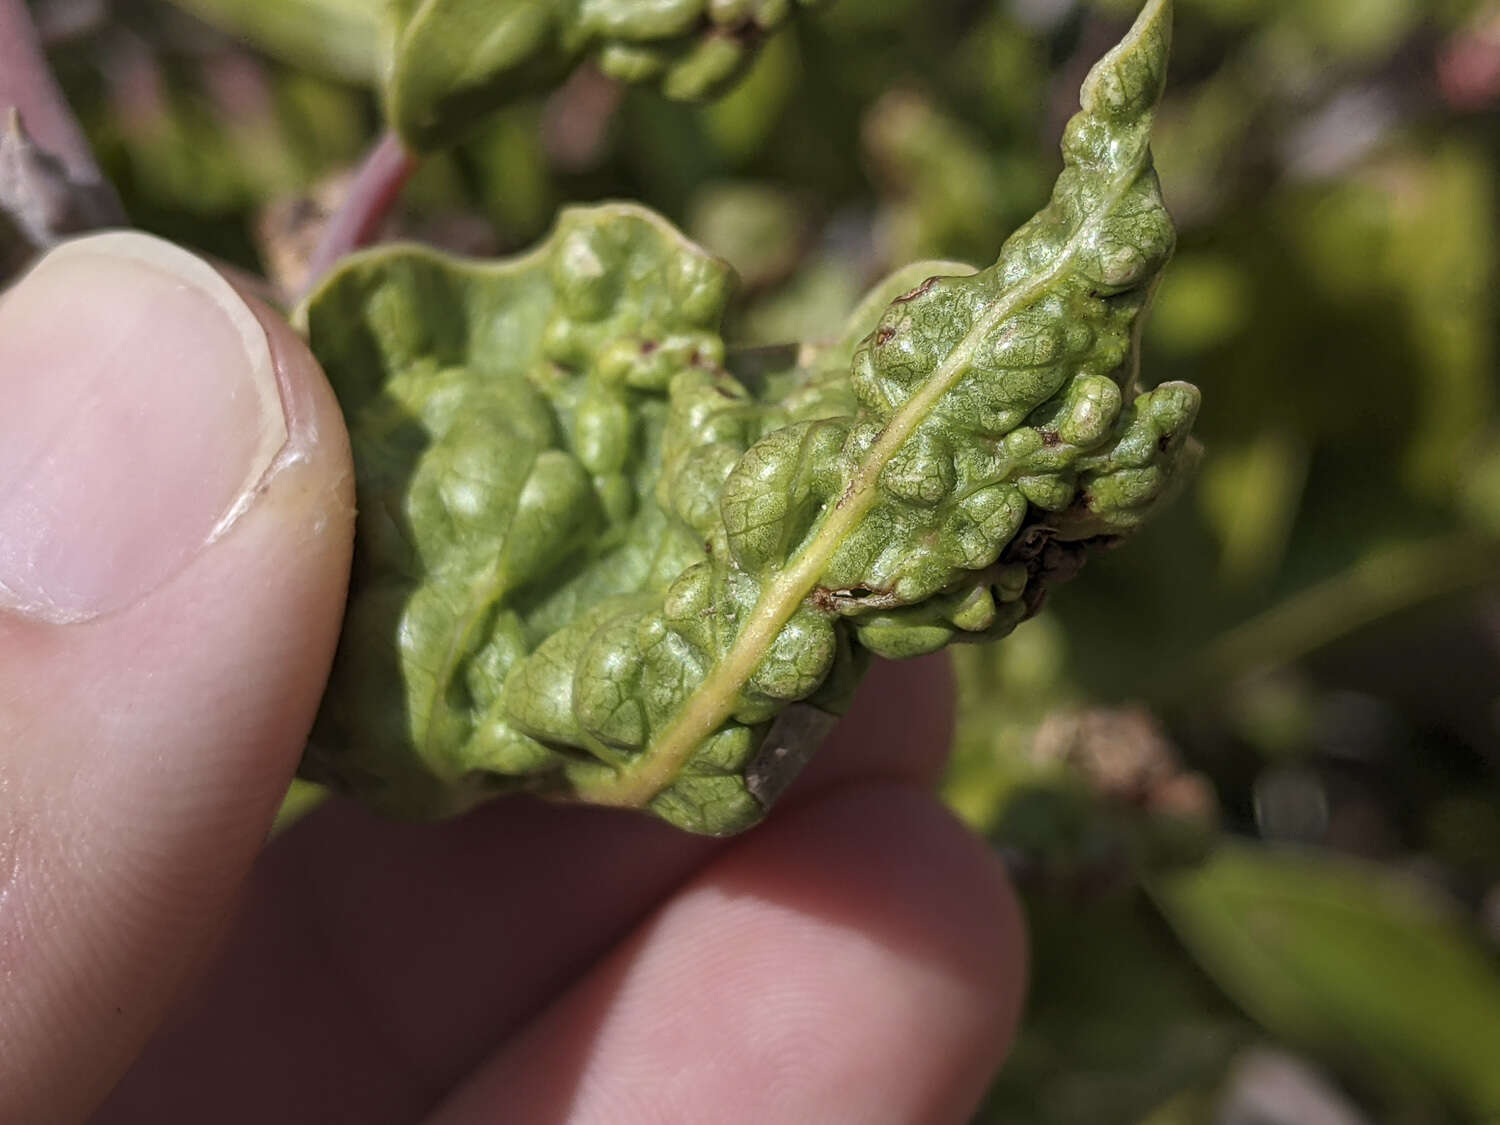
861, 958
887, 861
160, 664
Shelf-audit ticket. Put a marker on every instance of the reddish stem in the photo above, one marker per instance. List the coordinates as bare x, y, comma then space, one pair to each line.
26, 83
373, 192
1469, 69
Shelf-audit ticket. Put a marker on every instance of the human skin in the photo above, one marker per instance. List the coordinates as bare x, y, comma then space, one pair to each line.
164, 638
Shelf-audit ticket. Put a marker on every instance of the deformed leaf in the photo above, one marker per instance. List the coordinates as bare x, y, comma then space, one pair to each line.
450, 62
595, 564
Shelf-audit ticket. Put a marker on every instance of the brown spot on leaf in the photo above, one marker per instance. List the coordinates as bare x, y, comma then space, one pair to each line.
851, 598
1049, 560
1028, 544
1051, 438
884, 334
920, 291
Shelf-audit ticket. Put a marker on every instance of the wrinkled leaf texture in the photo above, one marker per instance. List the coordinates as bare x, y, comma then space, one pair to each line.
595, 563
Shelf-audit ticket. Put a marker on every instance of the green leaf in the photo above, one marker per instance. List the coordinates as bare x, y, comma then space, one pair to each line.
1118, 1019
302, 798
450, 62
336, 38
595, 564
1344, 957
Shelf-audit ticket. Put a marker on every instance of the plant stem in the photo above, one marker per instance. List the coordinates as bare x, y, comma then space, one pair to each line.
386, 169
26, 83
1385, 583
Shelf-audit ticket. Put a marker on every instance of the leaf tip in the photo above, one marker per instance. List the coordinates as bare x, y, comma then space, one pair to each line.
1129, 81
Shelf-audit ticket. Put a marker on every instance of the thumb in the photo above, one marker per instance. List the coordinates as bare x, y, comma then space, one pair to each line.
175, 528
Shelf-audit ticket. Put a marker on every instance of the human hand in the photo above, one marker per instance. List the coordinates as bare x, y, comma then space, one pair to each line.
175, 520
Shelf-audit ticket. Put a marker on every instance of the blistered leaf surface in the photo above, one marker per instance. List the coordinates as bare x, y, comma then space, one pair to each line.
594, 563
452, 61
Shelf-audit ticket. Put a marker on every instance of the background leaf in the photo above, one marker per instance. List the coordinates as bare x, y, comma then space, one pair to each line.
1348, 959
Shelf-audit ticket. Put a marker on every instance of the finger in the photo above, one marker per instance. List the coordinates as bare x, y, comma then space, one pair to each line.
376, 962
860, 960
413, 949
175, 526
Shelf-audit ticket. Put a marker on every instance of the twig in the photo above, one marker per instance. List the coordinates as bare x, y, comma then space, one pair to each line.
1468, 65
1385, 583
27, 85
50, 186
576, 120
372, 193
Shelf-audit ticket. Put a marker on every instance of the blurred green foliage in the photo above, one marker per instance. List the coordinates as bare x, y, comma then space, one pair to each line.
1351, 960
1119, 1023
1306, 652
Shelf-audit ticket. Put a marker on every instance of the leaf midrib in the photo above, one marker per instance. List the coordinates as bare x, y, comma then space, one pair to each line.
713, 701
